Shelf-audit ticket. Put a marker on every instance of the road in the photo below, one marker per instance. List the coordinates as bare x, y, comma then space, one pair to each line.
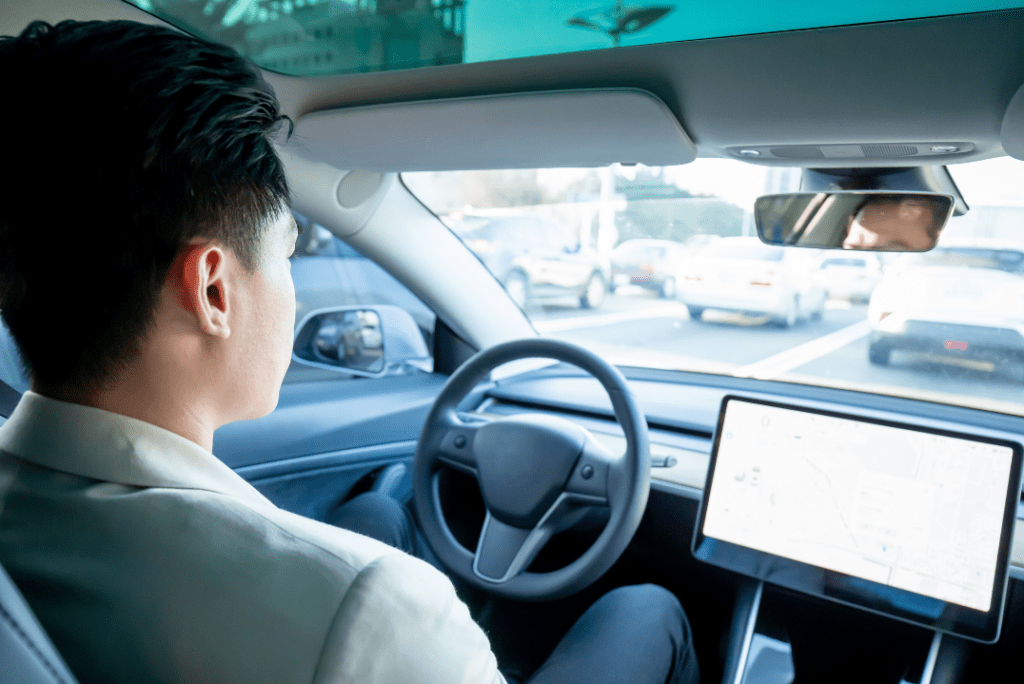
634, 327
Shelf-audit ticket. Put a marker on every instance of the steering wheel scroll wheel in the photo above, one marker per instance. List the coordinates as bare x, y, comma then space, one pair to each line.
538, 474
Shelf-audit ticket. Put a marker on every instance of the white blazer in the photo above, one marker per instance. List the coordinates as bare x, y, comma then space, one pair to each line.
148, 560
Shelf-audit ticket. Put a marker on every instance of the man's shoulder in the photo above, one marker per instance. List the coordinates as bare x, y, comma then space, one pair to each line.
240, 585
238, 526
272, 534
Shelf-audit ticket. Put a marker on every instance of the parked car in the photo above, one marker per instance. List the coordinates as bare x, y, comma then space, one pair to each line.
745, 275
959, 301
536, 258
651, 264
852, 277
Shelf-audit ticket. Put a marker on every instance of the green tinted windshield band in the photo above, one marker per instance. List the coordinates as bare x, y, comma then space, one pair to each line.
320, 37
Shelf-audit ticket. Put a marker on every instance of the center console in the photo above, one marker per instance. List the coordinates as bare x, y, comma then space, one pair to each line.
874, 548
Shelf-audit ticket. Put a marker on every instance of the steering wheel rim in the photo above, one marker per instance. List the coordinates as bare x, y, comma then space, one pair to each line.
514, 532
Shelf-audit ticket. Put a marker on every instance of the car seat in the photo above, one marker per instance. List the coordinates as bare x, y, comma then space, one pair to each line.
26, 652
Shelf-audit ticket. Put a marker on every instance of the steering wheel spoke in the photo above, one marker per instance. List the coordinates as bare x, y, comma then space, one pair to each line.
588, 482
504, 550
456, 444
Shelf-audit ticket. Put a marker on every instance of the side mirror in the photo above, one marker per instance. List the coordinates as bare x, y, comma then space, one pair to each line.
368, 341
880, 221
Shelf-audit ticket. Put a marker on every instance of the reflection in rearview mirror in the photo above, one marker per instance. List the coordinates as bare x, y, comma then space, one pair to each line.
865, 220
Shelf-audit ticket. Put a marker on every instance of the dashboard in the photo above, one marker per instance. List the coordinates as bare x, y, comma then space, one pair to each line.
317, 426
682, 414
682, 410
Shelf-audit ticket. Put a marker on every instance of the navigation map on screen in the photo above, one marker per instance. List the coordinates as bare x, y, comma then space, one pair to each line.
908, 509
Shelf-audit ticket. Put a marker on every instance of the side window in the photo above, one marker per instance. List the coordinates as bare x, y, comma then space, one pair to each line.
11, 370
315, 240
328, 272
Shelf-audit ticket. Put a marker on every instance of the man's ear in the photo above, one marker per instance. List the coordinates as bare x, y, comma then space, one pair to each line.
205, 290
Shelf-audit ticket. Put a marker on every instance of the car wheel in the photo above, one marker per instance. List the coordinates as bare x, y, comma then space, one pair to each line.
593, 296
879, 354
668, 289
788, 319
695, 311
518, 288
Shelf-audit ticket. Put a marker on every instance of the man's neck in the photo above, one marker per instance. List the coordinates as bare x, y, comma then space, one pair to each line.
144, 397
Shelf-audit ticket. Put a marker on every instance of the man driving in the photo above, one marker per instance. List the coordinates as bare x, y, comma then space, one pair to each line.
160, 309
895, 224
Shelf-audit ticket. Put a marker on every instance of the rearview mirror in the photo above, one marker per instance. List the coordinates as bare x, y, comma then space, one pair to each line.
863, 220
364, 341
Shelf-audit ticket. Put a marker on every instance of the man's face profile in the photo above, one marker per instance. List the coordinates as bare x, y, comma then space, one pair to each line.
893, 225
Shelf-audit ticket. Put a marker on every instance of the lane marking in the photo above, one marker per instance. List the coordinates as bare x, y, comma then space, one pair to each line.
783, 362
577, 322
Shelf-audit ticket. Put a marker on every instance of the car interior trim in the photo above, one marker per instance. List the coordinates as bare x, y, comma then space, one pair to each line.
1011, 132
329, 195
359, 186
667, 393
313, 418
748, 634
344, 457
676, 489
932, 659
547, 129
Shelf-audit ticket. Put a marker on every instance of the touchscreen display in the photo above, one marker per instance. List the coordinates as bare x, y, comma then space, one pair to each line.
913, 510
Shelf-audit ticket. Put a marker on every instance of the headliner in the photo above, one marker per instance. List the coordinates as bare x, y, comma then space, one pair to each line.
923, 80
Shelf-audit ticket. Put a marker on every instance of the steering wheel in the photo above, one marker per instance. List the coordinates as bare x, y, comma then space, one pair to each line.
538, 474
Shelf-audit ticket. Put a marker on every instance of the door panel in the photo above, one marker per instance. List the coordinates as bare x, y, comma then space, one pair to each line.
324, 437
314, 486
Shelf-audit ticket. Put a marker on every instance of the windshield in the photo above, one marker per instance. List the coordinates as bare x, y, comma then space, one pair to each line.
664, 271
742, 248
839, 262
1006, 259
637, 250
317, 37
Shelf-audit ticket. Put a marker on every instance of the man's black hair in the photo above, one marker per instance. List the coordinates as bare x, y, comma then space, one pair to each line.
123, 142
